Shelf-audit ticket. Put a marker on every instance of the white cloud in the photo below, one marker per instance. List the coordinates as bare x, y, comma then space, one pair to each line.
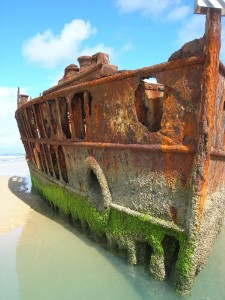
54, 78
127, 47
194, 27
171, 9
9, 133
98, 48
114, 55
178, 13
49, 50
191, 29
113, 58
147, 7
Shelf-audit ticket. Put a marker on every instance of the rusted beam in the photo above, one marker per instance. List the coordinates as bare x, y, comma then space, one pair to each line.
210, 82
146, 72
153, 147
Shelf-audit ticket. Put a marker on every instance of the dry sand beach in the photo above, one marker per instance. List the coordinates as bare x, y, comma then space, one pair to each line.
42, 257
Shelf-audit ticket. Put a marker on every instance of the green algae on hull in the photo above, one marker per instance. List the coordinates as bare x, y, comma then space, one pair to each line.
126, 232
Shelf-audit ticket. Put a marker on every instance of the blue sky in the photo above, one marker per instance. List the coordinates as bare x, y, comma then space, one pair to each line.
39, 38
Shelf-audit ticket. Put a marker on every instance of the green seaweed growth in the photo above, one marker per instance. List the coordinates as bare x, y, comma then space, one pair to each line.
69, 203
185, 266
139, 228
125, 231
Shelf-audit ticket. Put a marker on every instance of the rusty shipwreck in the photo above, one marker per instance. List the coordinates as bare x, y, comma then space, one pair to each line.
138, 164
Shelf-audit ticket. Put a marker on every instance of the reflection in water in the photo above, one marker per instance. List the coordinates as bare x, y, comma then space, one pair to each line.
54, 261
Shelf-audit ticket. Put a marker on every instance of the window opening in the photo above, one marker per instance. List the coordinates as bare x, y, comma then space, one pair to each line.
48, 157
32, 122
44, 113
32, 152
53, 115
89, 104
39, 120
37, 157
65, 117
62, 163
78, 115
54, 161
43, 159
149, 105
40, 161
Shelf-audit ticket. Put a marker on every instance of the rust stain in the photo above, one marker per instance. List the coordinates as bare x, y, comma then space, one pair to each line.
133, 127
210, 79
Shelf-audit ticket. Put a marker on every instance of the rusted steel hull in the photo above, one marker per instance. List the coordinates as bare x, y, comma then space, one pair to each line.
141, 165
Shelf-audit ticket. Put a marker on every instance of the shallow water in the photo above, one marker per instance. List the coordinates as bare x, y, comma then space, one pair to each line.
48, 259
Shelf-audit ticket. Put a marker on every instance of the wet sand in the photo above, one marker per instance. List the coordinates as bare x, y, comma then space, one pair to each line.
13, 211
42, 257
